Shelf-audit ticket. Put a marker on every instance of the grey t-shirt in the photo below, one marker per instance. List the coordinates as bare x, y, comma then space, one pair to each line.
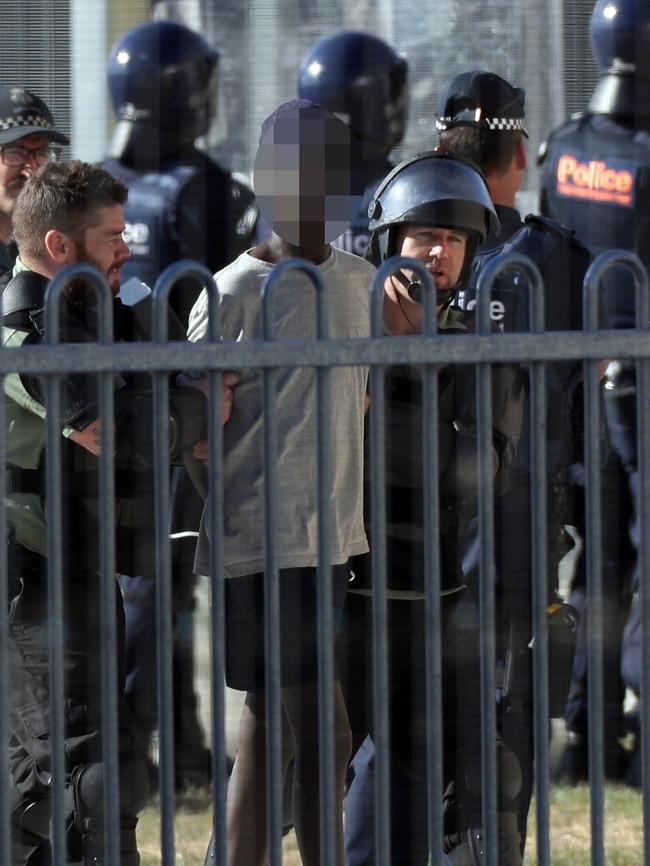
347, 280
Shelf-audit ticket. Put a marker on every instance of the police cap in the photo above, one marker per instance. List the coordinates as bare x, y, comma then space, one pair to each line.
23, 113
481, 99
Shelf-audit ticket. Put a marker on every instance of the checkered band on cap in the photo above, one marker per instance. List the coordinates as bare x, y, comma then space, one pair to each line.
500, 124
25, 120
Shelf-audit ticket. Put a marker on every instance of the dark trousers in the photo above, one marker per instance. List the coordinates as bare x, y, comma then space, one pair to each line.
409, 790
30, 746
619, 546
191, 755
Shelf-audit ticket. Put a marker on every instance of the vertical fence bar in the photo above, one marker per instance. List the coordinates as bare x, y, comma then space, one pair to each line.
108, 586
594, 533
164, 284
378, 565
326, 665
539, 551
381, 711
217, 612
54, 521
539, 561
642, 299
643, 432
164, 635
432, 578
489, 778
164, 625
643, 407
325, 599
272, 678
5, 825
594, 560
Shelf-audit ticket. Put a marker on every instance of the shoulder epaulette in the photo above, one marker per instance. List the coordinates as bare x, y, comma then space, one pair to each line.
548, 225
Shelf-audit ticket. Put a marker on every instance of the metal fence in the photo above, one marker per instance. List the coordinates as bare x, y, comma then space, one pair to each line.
533, 349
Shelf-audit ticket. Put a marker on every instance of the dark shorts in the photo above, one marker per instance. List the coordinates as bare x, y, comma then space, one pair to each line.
245, 645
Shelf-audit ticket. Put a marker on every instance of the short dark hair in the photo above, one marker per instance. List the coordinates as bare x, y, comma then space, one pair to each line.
66, 196
489, 150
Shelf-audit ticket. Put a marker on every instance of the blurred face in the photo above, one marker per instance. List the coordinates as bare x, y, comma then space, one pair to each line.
34, 151
306, 177
441, 250
103, 245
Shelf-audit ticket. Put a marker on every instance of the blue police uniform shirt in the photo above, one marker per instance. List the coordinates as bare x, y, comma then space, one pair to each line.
562, 262
508, 305
596, 180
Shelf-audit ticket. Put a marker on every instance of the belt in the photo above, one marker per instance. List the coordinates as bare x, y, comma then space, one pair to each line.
128, 484
21, 480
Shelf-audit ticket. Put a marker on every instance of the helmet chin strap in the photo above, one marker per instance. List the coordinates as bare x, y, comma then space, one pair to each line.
415, 290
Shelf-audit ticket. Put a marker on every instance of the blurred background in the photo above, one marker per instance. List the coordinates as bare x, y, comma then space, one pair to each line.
59, 49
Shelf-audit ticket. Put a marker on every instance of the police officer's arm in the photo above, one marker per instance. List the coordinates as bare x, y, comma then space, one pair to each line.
507, 414
79, 406
508, 397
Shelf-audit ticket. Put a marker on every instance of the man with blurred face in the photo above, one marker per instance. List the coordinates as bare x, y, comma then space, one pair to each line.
307, 189
27, 134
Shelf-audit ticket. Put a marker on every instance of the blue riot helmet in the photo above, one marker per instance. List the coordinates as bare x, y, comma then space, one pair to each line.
162, 76
620, 41
363, 80
614, 25
433, 189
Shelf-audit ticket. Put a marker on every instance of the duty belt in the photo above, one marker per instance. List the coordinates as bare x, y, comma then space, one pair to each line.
128, 484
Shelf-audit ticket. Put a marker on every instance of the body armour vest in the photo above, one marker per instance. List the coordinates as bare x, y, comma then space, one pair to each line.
596, 181
184, 211
404, 467
25, 452
562, 261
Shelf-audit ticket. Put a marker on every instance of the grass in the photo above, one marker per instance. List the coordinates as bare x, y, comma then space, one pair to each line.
193, 827
570, 830
571, 833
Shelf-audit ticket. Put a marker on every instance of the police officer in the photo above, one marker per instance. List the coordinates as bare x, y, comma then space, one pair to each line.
66, 213
436, 209
27, 137
162, 78
481, 116
595, 180
365, 81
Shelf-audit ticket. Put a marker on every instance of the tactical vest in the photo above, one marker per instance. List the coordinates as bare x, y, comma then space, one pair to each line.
457, 465
25, 436
195, 211
563, 262
596, 180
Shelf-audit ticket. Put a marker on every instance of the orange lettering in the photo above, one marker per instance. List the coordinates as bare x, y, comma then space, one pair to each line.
594, 179
624, 181
565, 167
608, 179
